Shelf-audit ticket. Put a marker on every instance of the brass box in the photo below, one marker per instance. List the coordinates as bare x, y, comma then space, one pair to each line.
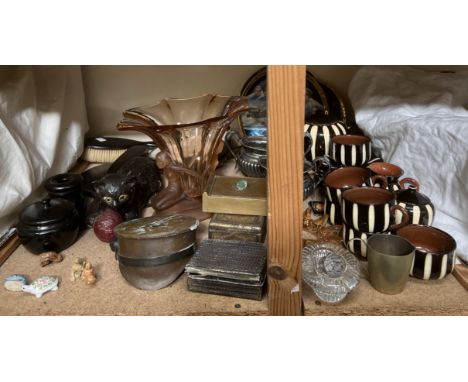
236, 195
237, 227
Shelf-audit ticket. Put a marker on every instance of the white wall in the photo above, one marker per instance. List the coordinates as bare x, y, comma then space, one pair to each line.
111, 89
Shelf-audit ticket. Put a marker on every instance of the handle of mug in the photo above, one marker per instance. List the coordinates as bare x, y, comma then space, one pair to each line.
228, 135
382, 180
354, 238
410, 181
404, 220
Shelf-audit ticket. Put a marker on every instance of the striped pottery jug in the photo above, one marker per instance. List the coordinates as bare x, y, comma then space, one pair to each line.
419, 206
322, 134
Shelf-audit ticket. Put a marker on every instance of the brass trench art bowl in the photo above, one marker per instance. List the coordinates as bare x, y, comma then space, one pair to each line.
189, 132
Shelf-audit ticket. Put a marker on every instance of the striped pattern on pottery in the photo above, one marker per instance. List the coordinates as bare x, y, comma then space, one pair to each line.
429, 266
334, 212
366, 218
321, 138
418, 214
359, 248
351, 155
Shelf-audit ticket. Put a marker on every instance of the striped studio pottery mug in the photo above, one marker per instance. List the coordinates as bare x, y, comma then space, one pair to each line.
333, 211
321, 135
338, 181
435, 251
351, 150
390, 171
350, 240
369, 209
419, 206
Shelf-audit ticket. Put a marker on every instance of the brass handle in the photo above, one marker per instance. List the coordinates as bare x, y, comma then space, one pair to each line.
355, 238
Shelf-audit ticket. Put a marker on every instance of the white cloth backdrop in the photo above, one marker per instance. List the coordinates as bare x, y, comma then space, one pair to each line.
419, 121
42, 126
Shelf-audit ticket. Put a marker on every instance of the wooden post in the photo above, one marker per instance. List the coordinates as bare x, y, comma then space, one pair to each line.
286, 102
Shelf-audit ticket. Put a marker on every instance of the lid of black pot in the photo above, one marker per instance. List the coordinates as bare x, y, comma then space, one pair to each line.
411, 196
63, 182
47, 211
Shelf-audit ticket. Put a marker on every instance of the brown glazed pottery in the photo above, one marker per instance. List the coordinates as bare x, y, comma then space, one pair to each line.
351, 150
390, 171
435, 251
337, 181
322, 134
369, 209
419, 206
350, 237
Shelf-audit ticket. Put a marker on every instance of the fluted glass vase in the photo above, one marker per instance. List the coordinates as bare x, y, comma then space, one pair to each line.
190, 130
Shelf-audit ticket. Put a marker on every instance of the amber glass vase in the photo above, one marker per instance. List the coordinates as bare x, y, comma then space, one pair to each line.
190, 130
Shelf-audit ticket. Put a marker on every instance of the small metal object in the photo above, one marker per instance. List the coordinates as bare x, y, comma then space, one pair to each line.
222, 196
330, 270
228, 267
153, 251
237, 227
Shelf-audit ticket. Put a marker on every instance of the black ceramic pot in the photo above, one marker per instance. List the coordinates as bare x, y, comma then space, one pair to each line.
67, 186
48, 225
419, 206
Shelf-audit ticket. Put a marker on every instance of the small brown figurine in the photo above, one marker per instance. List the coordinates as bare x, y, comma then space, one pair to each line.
77, 269
174, 192
50, 257
88, 275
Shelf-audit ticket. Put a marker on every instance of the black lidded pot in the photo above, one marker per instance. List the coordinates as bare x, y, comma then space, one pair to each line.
68, 186
48, 225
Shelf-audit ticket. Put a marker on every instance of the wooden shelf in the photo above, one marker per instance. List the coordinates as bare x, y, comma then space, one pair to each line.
428, 298
111, 295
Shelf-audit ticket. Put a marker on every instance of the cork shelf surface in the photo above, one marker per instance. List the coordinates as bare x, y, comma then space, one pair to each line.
111, 295
431, 298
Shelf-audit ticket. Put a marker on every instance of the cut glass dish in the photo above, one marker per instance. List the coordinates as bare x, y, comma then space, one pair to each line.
330, 270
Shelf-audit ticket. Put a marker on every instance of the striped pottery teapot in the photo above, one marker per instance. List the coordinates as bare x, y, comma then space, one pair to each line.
321, 135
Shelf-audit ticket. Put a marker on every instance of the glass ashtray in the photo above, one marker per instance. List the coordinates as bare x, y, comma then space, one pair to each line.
330, 270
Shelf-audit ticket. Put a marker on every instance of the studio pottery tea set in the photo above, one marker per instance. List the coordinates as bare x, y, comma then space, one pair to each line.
385, 219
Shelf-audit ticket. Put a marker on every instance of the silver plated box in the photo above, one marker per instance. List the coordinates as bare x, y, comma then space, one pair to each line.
229, 268
237, 227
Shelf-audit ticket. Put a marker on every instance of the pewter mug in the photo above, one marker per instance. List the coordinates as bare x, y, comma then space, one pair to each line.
389, 260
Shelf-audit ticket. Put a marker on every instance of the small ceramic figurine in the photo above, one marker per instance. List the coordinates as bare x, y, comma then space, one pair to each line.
77, 269
41, 285
15, 283
128, 190
50, 257
174, 192
88, 275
